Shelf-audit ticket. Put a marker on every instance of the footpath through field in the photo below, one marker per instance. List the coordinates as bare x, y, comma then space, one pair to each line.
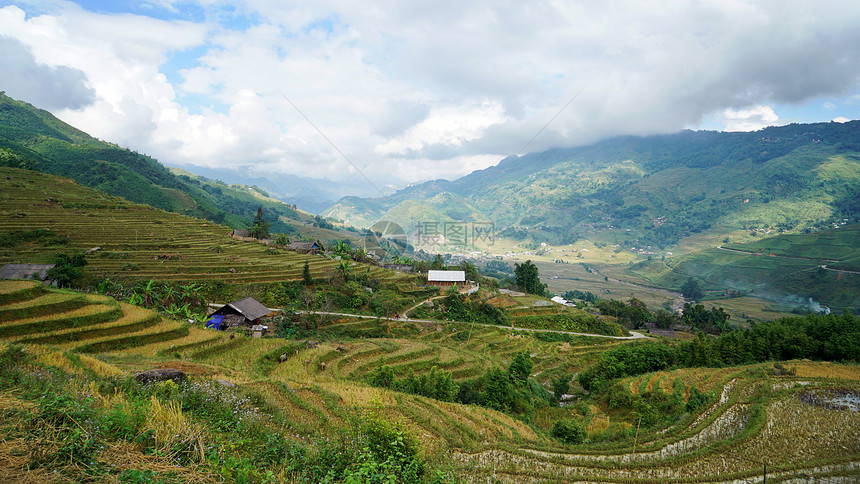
633, 334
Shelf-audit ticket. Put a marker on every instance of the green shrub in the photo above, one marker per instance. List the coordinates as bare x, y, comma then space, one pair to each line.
569, 431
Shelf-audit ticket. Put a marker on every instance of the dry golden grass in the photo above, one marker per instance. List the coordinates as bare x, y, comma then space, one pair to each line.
162, 327
130, 315
823, 369
15, 454
195, 335
244, 356
360, 395
84, 311
170, 427
50, 357
12, 286
44, 299
99, 367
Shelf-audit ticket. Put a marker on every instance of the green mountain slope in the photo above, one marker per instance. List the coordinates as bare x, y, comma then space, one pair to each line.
655, 190
789, 269
34, 139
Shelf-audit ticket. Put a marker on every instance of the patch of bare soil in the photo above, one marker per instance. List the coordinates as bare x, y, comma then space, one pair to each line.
832, 399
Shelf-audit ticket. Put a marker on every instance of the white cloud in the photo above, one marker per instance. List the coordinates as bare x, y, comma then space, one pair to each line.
409, 90
450, 126
751, 119
49, 87
841, 119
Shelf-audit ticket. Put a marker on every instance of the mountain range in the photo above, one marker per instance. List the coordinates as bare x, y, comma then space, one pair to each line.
650, 190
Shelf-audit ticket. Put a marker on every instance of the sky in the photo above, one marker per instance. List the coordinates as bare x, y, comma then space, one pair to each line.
378, 93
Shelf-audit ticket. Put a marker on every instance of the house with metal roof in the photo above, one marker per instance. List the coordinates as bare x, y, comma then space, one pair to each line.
25, 271
244, 312
446, 278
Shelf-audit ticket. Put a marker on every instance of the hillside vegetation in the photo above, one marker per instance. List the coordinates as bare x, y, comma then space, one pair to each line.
661, 188
43, 215
800, 270
34, 139
71, 409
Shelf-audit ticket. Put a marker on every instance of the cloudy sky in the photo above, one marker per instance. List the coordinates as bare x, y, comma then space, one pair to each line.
397, 92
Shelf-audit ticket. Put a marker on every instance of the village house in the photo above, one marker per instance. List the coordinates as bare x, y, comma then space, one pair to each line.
400, 268
26, 271
242, 313
446, 278
305, 247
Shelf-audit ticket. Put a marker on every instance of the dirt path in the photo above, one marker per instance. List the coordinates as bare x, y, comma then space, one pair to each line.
633, 334
777, 255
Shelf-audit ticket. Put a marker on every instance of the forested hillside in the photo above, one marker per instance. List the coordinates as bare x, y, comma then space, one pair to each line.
34, 139
653, 190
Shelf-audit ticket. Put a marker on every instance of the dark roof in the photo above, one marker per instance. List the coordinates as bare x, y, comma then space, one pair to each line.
303, 245
24, 271
242, 233
666, 333
250, 308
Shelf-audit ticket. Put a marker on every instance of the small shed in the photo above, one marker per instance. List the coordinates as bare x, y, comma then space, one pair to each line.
305, 247
562, 301
244, 312
25, 271
445, 278
400, 268
666, 333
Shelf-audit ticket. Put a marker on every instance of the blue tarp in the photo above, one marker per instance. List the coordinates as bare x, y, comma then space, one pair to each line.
215, 321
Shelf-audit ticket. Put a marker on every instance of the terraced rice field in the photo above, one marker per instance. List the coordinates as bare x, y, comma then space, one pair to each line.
756, 418
140, 242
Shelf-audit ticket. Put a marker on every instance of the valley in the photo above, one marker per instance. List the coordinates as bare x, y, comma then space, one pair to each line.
710, 331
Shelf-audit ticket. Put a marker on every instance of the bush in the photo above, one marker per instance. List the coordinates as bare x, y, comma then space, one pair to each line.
569, 431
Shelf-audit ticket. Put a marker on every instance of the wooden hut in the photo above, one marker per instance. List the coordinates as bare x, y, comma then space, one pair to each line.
242, 313
305, 247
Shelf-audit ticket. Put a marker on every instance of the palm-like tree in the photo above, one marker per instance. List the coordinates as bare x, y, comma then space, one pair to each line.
343, 270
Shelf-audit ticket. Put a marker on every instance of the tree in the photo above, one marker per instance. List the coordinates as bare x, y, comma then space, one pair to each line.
527, 278
470, 270
259, 228
438, 263
306, 274
67, 269
692, 290
521, 367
